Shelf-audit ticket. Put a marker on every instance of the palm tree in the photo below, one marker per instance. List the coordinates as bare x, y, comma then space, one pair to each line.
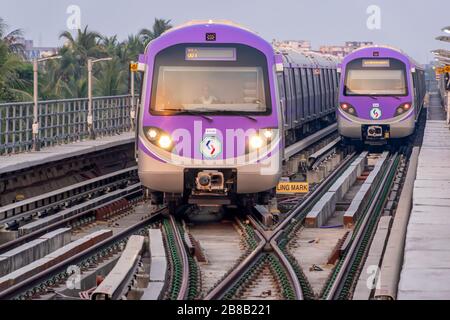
85, 45
11, 39
159, 27
12, 86
111, 80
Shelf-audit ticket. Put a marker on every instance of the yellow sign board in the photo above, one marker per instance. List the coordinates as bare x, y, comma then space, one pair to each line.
447, 68
134, 67
292, 187
439, 70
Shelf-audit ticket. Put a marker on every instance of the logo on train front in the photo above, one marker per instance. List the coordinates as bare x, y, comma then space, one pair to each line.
210, 147
375, 113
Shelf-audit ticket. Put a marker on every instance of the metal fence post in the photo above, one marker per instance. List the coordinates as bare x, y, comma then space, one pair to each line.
90, 117
35, 126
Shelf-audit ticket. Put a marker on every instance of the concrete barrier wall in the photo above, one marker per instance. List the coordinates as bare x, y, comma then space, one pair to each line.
33, 250
361, 199
325, 207
53, 258
158, 266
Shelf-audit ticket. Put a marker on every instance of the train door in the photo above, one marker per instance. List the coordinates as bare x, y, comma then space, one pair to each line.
281, 89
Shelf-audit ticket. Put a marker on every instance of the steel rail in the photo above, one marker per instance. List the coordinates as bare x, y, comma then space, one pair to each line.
362, 229
40, 277
319, 155
309, 140
34, 201
28, 237
184, 289
219, 291
314, 196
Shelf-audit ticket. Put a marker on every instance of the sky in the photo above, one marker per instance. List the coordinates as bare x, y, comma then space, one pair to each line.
409, 25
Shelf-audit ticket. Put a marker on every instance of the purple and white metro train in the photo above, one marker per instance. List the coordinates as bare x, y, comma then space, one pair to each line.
381, 95
218, 106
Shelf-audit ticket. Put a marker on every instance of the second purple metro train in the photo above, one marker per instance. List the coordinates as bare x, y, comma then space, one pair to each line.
219, 105
381, 95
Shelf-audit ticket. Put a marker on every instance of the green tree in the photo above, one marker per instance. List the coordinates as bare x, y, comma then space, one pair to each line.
159, 27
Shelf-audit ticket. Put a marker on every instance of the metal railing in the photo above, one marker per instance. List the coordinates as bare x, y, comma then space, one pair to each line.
61, 121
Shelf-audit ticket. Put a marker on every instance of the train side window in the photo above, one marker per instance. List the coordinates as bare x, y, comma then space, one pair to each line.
318, 92
329, 89
335, 87
305, 111
293, 97
312, 97
324, 90
299, 94
288, 97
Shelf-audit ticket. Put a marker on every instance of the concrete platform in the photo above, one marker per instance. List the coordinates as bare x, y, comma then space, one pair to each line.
426, 267
10, 163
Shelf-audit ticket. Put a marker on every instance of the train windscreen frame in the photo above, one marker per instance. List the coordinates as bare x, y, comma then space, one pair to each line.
387, 77
246, 76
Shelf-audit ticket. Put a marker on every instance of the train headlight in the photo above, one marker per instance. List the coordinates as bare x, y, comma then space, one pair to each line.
348, 108
165, 141
403, 108
159, 137
256, 142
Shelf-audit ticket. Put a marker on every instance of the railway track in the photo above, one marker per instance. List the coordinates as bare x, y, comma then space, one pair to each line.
48, 204
99, 199
87, 257
237, 259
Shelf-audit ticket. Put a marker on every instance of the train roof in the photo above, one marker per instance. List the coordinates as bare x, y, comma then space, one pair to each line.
301, 58
387, 47
208, 22
291, 56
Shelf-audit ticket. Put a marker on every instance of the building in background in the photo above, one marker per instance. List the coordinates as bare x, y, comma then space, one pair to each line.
303, 45
342, 50
335, 50
31, 52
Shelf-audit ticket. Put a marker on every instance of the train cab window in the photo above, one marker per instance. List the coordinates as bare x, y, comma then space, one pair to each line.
383, 77
214, 85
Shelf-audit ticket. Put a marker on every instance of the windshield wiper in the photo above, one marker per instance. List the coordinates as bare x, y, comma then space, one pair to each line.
250, 117
192, 113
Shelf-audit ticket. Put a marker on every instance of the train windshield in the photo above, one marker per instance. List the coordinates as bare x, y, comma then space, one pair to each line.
231, 86
209, 89
378, 77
